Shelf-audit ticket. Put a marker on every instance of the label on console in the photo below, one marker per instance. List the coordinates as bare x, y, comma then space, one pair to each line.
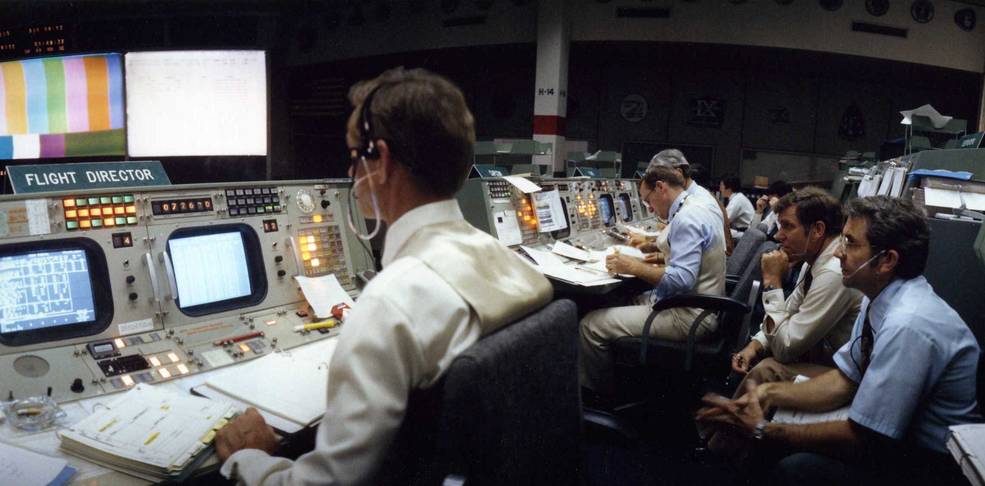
37, 216
134, 327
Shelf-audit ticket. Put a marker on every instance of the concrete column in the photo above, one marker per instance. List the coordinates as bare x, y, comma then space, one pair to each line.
551, 90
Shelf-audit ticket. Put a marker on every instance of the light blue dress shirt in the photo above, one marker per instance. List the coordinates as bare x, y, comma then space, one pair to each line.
693, 229
921, 376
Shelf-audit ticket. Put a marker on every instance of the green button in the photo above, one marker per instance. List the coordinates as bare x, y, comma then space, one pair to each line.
72, 225
97, 223
259, 209
81, 202
270, 209
121, 220
128, 198
103, 200
131, 220
117, 199
93, 200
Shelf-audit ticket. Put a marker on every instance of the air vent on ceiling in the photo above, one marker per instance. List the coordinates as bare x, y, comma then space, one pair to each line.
879, 29
642, 13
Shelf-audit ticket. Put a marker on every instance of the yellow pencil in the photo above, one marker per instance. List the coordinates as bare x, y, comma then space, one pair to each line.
151, 438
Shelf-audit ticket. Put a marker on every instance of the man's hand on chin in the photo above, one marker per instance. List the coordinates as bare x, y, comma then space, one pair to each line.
248, 431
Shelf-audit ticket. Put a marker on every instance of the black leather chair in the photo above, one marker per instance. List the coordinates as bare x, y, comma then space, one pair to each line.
742, 255
507, 412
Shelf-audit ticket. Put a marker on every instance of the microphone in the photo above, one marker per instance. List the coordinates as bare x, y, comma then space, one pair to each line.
850, 275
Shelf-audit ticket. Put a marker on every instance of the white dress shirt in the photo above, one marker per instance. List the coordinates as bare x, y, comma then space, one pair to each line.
402, 334
811, 327
740, 212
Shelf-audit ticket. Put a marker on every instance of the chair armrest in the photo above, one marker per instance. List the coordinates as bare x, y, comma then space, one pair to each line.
716, 303
707, 303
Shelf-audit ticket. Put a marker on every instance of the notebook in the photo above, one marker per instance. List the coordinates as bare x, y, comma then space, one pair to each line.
150, 433
967, 445
288, 387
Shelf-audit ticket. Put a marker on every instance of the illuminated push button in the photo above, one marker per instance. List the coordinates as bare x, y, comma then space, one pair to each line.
119, 343
312, 247
93, 201
316, 218
104, 200
119, 210
68, 203
121, 220
315, 262
83, 213
71, 214
94, 211
117, 199
80, 202
182, 368
306, 256
131, 220
131, 209
244, 348
127, 380
173, 357
72, 225
164, 372
84, 224
109, 222
128, 198
97, 223
154, 361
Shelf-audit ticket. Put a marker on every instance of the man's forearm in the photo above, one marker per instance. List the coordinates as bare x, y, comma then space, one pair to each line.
836, 439
822, 393
651, 274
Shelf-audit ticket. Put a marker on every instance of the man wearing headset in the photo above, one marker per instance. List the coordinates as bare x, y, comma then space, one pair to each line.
444, 285
800, 334
907, 374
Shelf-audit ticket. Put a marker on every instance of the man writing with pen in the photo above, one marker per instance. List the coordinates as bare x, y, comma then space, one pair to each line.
694, 248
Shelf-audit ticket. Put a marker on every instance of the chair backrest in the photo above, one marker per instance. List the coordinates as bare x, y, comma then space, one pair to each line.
753, 272
744, 250
506, 412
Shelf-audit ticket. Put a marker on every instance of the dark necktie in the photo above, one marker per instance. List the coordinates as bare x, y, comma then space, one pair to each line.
807, 280
868, 340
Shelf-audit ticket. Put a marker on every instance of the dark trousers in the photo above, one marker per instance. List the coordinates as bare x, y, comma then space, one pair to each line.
896, 467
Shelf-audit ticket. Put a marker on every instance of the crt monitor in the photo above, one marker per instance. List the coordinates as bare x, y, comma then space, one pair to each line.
216, 268
624, 206
607, 209
53, 290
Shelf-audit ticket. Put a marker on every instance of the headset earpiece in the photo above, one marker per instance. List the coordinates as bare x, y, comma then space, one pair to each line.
366, 129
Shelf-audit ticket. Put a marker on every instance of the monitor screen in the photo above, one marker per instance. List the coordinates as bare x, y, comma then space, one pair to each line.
210, 268
45, 289
607, 210
69, 106
187, 103
625, 207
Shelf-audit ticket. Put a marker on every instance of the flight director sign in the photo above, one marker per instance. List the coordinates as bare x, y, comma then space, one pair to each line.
86, 176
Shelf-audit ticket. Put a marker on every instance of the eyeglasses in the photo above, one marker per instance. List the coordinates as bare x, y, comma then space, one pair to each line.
844, 244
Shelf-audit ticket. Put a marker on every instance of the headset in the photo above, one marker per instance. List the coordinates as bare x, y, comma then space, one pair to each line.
368, 149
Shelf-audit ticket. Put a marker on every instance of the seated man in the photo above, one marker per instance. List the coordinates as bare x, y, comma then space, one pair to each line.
764, 206
674, 159
693, 243
800, 334
908, 373
739, 208
444, 285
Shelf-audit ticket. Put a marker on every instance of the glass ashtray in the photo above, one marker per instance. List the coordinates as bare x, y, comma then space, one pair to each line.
32, 413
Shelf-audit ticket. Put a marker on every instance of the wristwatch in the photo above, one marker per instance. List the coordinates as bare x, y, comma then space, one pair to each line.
769, 287
759, 433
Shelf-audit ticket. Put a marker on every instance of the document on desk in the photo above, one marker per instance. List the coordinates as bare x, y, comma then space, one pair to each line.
322, 293
550, 212
967, 445
26, 468
507, 228
569, 251
554, 267
148, 432
290, 384
598, 257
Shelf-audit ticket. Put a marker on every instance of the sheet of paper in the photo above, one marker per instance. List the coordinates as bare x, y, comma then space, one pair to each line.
323, 293
967, 445
523, 184
974, 201
578, 276
507, 228
550, 212
885, 183
25, 468
566, 250
542, 258
291, 384
640, 231
941, 198
899, 179
598, 257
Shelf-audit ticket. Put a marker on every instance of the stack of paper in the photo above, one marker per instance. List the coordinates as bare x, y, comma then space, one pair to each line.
967, 445
787, 416
288, 387
554, 267
25, 468
149, 433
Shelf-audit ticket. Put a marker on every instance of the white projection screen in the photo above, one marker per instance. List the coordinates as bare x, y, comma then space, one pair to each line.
184, 103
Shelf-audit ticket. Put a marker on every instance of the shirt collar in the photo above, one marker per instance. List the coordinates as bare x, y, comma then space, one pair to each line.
676, 206
826, 255
883, 302
404, 227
